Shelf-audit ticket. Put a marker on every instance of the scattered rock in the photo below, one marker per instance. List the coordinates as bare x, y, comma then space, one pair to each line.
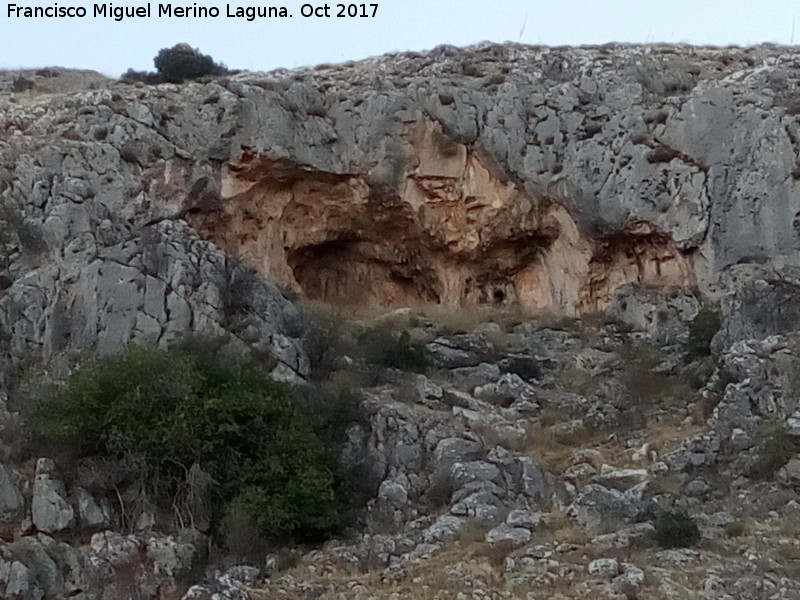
11, 500
90, 514
465, 350
49, 509
605, 568
523, 518
506, 536
508, 389
446, 529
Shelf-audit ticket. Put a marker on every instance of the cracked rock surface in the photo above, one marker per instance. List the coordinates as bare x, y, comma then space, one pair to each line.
535, 454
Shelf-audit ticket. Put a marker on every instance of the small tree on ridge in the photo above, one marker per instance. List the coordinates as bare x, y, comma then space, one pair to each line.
182, 62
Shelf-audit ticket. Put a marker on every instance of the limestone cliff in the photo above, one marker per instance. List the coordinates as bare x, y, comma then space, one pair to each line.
547, 177
560, 180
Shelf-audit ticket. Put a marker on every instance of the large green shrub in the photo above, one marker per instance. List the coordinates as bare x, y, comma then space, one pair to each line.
182, 62
165, 414
176, 65
676, 529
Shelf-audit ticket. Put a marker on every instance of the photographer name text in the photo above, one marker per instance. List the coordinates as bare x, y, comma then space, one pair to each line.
192, 11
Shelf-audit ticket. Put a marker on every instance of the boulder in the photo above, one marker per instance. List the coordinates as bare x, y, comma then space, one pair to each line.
761, 304
604, 568
446, 528
50, 510
91, 515
596, 506
22, 584
662, 313
393, 493
170, 557
468, 378
223, 586
789, 474
524, 519
452, 450
508, 389
620, 479
508, 537
464, 350
629, 581
462, 474
11, 501
45, 558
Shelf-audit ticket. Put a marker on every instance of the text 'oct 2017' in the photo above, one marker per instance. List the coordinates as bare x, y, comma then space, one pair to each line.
189, 11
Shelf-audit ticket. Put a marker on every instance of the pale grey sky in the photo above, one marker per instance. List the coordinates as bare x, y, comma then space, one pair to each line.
112, 47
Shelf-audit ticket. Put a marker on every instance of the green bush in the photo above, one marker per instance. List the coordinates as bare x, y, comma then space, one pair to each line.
702, 330
394, 350
774, 446
182, 62
176, 65
326, 340
166, 414
676, 529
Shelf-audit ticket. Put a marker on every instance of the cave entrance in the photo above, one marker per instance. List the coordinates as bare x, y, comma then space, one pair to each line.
357, 272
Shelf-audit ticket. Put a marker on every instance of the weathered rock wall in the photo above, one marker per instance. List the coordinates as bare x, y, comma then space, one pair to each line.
509, 173
493, 174
90, 260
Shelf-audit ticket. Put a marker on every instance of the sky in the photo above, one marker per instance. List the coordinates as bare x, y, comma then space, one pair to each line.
112, 47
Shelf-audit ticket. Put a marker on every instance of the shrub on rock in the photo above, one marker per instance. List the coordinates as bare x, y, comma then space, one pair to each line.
394, 350
197, 414
702, 330
775, 447
182, 62
176, 65
676, 529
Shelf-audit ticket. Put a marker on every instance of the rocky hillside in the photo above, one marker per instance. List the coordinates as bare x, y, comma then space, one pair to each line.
611, 236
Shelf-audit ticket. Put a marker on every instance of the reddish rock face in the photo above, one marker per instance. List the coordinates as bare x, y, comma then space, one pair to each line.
451, 229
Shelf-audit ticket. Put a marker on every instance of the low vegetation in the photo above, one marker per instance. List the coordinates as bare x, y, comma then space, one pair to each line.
676, 529
391, 349
702, 330
775, 447
331, 342
197, 415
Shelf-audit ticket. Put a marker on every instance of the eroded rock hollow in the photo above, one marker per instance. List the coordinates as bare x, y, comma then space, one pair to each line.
512, 175
447, 225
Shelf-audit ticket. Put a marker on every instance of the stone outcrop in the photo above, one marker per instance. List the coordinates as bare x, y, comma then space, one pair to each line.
50, 510
568, 181
493, 174
11, 500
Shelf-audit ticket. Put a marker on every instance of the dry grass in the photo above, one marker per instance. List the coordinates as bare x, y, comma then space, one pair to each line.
479, 570
577, 380
666, 484
787, 554
462, 567
554, 445
667, 433
495, 555
739, 529
440, 577
648, 389
474, 532
491, 436
559, 528
465, 319
789, 528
